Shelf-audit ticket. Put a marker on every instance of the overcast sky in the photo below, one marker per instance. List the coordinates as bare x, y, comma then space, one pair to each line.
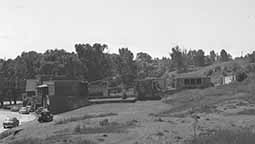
152, 26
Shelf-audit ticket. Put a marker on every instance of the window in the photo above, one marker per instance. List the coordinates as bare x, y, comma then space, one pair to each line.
199, 81
193, 81
186, 81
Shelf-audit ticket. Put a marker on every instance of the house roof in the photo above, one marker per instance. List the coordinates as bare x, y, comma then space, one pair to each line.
31, 85
191, 75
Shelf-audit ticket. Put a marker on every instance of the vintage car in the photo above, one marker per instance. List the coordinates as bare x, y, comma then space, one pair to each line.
30, 108
11, 122
45, 116
24, 110
39, 110
15, 109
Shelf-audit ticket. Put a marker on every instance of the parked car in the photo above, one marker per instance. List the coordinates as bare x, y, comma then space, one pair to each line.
39, 110
15, 109
45, 116
23, 110
30, 108
11, 122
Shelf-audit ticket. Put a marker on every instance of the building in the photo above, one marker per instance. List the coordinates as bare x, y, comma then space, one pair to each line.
63, 95
98, 89
31, 87
149, 88
227, 79
191, 80
29, 97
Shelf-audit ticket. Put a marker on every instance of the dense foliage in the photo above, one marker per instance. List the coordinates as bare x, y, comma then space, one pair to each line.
93, 62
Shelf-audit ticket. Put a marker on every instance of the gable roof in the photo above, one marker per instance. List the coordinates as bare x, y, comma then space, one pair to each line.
31, 85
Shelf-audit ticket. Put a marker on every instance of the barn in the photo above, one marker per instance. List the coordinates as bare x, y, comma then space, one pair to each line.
63, 95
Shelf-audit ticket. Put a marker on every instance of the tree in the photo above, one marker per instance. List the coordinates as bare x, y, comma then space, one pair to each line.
213, 56
94, 59
224, 56
178, 58
251, 57
30, 64
144, 64
58, 62
199, 58
126, 66
144, 57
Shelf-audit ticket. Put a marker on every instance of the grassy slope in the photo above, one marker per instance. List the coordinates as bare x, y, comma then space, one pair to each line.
204, 100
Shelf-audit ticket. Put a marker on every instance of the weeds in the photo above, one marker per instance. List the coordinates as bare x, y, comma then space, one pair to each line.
247, 112
243, 136
5, 134
27, 141
73, 119
109, 127
45, 141
205, 100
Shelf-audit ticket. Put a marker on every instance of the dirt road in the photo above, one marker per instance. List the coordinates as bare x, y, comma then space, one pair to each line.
21, 117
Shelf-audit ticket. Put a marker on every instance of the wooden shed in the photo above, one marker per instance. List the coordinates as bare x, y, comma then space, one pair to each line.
63, 95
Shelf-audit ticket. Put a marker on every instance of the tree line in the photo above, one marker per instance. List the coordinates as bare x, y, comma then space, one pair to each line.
93, 62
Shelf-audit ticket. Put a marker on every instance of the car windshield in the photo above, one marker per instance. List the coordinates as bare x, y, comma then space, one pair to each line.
10, 119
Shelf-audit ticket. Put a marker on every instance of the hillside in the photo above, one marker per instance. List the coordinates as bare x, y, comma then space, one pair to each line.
167, 121
216, 70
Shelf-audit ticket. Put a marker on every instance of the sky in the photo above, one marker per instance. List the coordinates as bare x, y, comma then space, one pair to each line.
151, 26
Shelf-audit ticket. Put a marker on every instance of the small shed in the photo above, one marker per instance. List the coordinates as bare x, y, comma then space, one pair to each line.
191, 80
63, 95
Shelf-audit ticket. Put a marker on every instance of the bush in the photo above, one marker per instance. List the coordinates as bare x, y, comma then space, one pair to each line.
240, 76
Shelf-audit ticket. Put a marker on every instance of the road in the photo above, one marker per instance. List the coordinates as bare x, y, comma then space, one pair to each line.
21, 117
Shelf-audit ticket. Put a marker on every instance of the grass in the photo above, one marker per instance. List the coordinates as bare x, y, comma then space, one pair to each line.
84, 117
27, 141
6, 134
205, 100
247, 112
107, 127
46, 141
243, 136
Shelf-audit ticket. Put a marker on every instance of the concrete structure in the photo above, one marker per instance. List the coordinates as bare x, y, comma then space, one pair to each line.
63, 95
186, 81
